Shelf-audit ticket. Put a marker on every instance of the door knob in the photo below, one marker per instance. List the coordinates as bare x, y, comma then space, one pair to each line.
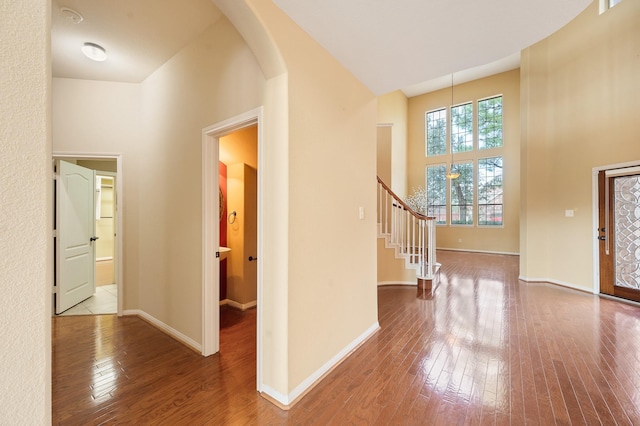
93, 238
251, 258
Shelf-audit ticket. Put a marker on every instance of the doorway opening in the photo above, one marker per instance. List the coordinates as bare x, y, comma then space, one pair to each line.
235, 212
107, 282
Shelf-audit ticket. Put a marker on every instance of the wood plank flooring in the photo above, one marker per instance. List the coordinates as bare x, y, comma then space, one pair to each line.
483, 349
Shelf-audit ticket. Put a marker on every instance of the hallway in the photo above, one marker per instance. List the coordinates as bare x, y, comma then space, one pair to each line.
485, 348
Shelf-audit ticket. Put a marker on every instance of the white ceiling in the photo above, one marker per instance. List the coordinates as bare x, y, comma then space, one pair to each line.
412, 45
397, 44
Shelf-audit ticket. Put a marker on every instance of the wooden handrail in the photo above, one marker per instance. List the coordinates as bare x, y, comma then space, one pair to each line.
403, 204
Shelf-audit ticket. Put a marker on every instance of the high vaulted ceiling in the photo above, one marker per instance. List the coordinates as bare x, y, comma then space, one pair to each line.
413, 45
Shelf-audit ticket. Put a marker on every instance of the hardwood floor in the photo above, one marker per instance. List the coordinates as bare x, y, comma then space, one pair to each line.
484, 349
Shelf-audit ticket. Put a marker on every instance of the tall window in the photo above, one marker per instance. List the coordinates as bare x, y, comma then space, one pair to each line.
436, 125
490, 207
437, 193
476, 196
490, 123
462, 195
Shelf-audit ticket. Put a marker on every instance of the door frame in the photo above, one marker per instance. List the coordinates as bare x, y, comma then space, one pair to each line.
594, 216
211, 232
118, 257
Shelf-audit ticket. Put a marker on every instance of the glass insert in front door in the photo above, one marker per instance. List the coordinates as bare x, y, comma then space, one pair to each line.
627, 231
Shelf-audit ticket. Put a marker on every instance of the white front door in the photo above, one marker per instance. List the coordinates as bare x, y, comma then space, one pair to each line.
75, 234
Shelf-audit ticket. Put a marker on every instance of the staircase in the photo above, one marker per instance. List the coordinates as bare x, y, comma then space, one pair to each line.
411, 234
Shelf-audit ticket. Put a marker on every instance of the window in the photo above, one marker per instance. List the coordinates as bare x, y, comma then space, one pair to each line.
473, 129
490, 205
607, 4
462, 128
437, 193
436, 125
490, 123
462, 195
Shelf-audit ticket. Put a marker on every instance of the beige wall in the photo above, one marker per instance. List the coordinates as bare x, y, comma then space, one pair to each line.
239, 151
242, 233
304, 176
383, 153
392, 270
213, 78
392, 169
157, 127
240, 146
393, 110
573, 119
580, 99
504, 239
98, 165
104, 117
331, 293
26, 269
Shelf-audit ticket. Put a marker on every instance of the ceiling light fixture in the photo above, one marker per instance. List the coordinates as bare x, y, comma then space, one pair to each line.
94, 52
453, 174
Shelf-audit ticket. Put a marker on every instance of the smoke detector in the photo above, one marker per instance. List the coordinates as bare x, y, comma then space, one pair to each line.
71, 15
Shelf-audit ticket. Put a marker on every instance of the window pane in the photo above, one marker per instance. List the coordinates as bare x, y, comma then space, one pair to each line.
437, 193
490, 203
462, 128
462, 195
490, 123
436, 123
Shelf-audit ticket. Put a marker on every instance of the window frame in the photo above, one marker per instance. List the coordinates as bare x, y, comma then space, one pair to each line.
473, 132
478, 194
477, 122
473, 195
605, 5
426, 131
472, 157
446, 192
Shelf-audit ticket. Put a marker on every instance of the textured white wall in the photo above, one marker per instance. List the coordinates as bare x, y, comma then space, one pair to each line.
25, 274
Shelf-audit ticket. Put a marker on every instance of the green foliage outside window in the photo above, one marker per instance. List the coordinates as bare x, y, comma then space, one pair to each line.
459, 194
436, 125
462, 128
490, 123
490, 202
437, 193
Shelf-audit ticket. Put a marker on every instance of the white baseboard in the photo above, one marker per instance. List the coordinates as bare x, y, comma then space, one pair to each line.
166, 329
275, 397
313, 379
383, 283
479, 251
241, 306
557, 282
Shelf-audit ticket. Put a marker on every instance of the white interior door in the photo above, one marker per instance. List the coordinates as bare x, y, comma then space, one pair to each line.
75, 234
